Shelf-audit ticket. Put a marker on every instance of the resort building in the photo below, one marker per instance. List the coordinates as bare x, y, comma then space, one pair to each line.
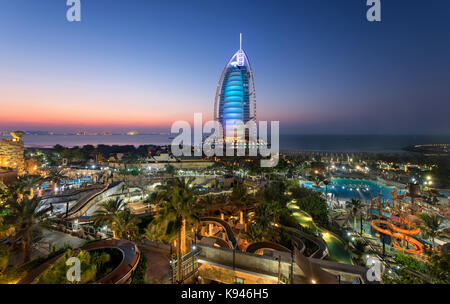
11, 153
235, 96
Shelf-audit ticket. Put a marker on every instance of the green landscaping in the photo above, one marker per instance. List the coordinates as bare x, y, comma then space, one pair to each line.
95, 265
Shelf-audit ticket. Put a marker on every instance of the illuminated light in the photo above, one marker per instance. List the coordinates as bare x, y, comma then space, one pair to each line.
313, 281
428, 177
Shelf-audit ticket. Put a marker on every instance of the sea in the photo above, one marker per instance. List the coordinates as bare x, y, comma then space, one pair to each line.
288, 142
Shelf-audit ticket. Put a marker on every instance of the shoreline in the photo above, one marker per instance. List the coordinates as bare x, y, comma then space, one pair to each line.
289, 144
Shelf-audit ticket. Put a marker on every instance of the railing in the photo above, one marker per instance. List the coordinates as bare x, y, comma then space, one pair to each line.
267, 266
282, 279
189, 266
88, 230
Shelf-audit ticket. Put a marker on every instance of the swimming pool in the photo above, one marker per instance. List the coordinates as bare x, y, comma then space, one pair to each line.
445, 193
363, 189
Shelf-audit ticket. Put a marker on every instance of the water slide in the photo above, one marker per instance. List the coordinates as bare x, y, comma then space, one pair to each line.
252, 248
87, 202
74, 192
225, 225
401, 234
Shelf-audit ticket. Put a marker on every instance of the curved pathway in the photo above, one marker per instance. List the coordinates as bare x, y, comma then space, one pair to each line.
120, 275
131, 254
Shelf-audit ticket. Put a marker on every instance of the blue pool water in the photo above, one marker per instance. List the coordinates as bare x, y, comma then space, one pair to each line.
445, 193
343, 188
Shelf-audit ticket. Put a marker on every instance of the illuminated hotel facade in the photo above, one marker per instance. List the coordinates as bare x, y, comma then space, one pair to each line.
235, 97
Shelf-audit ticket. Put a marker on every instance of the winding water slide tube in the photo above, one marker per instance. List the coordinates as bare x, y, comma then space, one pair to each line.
87, 202
252, 248
398, 233
225, 225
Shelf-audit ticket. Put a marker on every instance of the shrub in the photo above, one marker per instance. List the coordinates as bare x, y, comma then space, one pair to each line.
94, 266
411, 262
4, 257
141, 269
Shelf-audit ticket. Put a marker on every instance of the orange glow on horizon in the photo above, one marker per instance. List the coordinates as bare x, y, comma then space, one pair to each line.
43, 109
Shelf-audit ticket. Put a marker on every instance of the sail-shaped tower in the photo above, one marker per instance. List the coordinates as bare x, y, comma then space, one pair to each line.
235, 96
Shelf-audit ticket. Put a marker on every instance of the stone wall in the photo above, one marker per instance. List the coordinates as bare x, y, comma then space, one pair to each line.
11, 155
262, 267
224, 275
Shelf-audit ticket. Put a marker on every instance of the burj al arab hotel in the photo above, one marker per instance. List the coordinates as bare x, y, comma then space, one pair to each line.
235, 97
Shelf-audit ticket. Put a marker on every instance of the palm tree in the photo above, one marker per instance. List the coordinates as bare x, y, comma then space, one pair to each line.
318, 180
180, 207
326, 182
240, 199
108, 213
356, 206
254, 233
264, 216
155, 198
125, 225
24, 217
359, 248
15, 193
55, 176
28, 182
209, 203
430, 225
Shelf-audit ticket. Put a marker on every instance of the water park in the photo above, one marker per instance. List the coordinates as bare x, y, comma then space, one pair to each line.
386, 218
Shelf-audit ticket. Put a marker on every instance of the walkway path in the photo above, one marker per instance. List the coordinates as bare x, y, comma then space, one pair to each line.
157, 264
120, 275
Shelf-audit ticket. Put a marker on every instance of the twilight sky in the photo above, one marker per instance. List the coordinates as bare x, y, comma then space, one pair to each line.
320, 67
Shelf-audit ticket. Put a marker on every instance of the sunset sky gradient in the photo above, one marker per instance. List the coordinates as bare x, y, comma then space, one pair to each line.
320, 67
